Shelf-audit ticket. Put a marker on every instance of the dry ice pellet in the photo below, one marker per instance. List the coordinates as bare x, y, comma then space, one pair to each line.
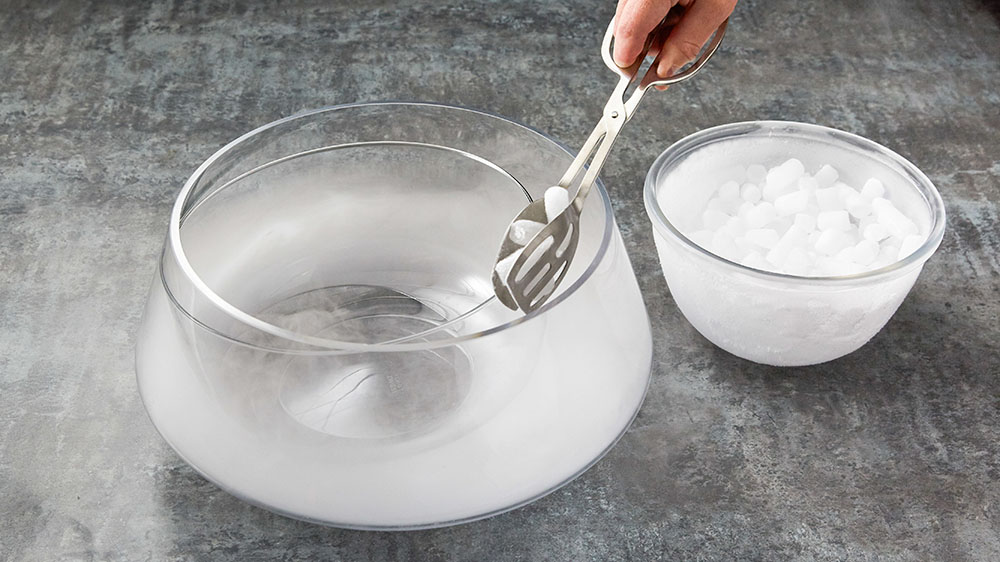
787, 219
522, 231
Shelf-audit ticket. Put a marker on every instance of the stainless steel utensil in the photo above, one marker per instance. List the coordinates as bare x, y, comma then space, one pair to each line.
544, 260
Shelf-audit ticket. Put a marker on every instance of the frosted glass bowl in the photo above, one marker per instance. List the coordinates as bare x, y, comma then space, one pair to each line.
321, 338
774, 318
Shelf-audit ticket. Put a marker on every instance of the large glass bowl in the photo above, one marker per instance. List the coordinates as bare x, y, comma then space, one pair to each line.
774, 318
321, 338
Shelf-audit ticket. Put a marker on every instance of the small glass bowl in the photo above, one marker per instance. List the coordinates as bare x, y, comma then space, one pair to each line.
774, 318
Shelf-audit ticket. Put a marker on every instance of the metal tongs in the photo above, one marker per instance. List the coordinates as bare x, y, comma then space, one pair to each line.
544, 260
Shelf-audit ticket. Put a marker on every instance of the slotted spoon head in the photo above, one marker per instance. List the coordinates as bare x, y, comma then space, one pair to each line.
545, 259
543, 262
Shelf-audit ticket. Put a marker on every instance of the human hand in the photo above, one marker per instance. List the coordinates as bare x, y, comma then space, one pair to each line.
692, 28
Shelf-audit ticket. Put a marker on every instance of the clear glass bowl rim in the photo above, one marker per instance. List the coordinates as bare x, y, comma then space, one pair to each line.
322, 345
695, 141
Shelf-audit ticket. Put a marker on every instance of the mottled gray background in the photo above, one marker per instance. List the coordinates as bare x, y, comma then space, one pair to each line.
890, 453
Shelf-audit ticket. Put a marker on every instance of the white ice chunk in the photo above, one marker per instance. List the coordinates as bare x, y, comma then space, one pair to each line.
857, 206
888, 215
828, 266
713, 219
781, 178
834, 267
522, 231
797, 262
724, 245
910, 245
779, 253
786, 173
828, 199
853, 236
735, 227
750, 192
889, 250
728, 206
729, 190
763, 237
504, 266
863, 222
838, 220
781, 224
873, 188
831, 241
846, 254
791, 203
826, 176
880, 203
808, 184
806, 222
865, 252
755, 260
745, 246
733, 206
556, 201
875, 232
845, 191
762, 214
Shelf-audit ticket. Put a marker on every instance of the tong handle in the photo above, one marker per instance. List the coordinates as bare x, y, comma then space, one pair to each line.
650, 78
619, 110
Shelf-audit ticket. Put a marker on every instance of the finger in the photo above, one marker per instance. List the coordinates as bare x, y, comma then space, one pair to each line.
672, 18
636, 18
686, 39
674, 15
618, 14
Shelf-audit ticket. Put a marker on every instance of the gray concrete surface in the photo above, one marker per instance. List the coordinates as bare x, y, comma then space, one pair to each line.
891, 453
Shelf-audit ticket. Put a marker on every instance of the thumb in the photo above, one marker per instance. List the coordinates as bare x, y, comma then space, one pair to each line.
686, 39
